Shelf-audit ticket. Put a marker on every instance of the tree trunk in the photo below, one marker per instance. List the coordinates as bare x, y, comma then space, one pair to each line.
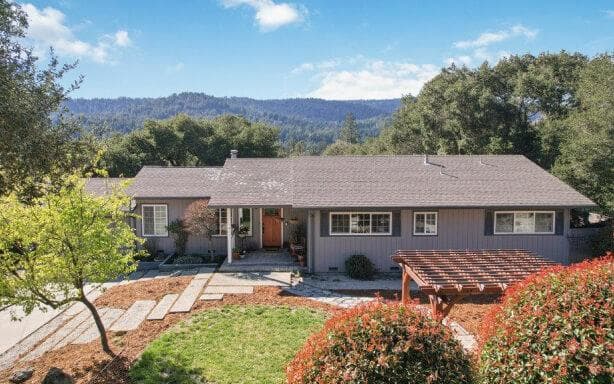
103, 333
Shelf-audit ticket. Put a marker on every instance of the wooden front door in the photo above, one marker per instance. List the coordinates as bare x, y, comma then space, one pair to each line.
271, 227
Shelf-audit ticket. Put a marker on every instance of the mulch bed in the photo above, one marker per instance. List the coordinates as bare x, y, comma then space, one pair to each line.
469, 312
87, 363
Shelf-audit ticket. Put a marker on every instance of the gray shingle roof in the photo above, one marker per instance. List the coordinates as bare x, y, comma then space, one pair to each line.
100, 186
392, 181
174, 182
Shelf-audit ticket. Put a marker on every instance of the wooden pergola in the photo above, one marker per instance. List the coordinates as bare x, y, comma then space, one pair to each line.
447, 276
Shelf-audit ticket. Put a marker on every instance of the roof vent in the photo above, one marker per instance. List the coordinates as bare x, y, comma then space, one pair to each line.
426, 159
234, 153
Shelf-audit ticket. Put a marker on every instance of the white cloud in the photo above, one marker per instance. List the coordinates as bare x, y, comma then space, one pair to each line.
310, 67
270, 15
122, 39
46, 27
373, 79
609, 14
488, 38
178, 67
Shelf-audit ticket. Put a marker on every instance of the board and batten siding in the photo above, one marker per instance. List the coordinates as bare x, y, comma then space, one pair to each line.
457, 229
196, 244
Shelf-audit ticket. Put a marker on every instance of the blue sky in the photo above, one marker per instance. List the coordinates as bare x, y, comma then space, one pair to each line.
346, 49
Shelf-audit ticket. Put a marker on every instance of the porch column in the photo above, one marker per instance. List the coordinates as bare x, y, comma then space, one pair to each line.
230, 239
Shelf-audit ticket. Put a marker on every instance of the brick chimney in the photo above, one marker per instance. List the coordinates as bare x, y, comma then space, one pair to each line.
234, 153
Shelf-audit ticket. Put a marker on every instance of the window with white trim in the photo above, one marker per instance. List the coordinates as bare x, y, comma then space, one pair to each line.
425, 223
245, 220
221, 221
523, 222
360, 223
154, 219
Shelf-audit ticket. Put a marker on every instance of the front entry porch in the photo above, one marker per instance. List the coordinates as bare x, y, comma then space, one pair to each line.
263, 261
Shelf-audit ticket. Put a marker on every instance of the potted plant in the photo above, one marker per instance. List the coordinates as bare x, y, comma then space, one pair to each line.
236, 252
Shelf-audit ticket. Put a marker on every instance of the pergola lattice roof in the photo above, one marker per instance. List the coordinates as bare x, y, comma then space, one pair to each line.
466, 272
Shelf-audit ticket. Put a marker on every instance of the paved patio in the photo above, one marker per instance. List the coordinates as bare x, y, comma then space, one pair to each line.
263, 261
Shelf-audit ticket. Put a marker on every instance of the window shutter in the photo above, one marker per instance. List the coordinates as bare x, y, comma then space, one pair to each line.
396, 223
489, 221
324, 226
559, 222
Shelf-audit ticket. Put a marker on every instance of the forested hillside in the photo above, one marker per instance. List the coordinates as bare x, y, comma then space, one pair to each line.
314, 121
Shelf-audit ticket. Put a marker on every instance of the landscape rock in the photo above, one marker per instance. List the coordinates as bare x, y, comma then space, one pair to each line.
21, 376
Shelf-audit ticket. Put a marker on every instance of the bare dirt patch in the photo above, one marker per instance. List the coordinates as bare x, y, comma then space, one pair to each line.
87, 363
123, 296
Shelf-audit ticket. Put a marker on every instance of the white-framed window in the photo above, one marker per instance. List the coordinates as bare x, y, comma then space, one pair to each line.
245, 220
361, 223
523, 222
221, 219
425, 223
154, 220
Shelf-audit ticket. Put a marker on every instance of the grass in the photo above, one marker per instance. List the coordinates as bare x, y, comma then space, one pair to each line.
232, 344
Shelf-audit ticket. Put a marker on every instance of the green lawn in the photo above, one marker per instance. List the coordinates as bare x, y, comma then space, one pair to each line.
234, 344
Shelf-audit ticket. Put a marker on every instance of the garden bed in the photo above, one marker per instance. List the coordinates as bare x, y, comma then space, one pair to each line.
175, 262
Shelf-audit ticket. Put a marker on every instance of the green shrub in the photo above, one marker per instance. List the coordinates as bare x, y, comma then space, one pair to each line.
603, 241
180, 234
188, 260
380, 343
556, 326
359, 267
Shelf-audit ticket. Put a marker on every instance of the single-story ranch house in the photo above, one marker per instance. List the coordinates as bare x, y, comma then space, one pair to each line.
370, 205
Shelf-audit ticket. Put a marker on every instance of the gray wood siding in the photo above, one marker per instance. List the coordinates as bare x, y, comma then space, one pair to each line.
196, 244
457, 229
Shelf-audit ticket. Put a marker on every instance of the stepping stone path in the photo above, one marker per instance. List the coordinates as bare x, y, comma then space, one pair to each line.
212, 296
57, 337
163, 306
132, 318
92, 333
188, 297
76, 325
236, 289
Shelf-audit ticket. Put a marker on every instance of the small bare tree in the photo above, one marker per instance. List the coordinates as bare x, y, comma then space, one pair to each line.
201, 220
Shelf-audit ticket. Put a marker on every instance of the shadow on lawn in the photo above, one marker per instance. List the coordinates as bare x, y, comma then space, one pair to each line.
154, 368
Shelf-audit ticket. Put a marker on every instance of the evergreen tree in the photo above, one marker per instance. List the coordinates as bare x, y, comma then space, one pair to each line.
349, 132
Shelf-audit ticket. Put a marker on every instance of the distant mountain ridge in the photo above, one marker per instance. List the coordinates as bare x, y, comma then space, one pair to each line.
314, 121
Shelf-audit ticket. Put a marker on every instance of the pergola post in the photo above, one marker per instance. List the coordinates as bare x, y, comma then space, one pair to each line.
405, 294
229, 235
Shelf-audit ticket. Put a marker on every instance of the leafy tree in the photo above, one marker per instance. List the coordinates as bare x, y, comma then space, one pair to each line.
587, 149
39, 142
186, 141
199, 219
349, 132
51, 248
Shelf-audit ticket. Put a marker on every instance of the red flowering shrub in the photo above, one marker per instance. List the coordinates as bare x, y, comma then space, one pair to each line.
380, 343
554, 327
